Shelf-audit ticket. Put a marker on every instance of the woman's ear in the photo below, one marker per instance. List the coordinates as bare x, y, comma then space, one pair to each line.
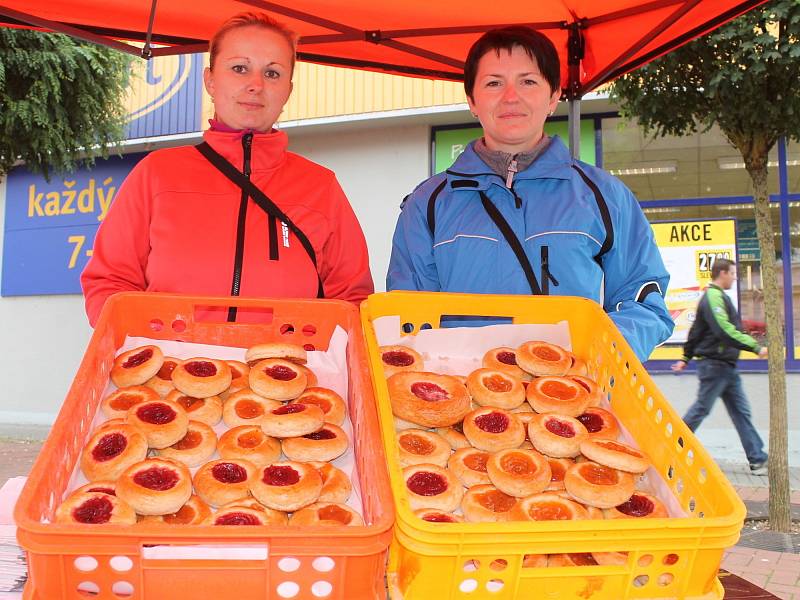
208, 81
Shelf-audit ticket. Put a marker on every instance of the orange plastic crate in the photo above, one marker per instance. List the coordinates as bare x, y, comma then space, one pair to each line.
105, 562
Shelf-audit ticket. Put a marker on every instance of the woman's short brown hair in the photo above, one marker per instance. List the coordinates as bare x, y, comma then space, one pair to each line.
251, 19
536, 45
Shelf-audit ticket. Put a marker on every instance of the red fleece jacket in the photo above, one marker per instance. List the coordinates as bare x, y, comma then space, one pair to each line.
173, 227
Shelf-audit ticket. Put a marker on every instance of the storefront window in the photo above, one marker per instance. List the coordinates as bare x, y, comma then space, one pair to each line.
793, 166
703, 165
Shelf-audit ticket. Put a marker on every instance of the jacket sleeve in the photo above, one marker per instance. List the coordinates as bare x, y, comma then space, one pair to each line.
694, 335
721, 325
344, 265
412, 265
635, 278
121, 246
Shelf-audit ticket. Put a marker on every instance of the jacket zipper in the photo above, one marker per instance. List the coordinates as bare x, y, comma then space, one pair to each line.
247, 144
547, 276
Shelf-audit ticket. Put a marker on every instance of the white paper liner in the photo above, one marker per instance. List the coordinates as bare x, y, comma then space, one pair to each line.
459, 350
329, 366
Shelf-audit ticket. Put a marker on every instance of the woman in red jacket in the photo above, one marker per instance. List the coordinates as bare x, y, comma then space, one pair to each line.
180, 223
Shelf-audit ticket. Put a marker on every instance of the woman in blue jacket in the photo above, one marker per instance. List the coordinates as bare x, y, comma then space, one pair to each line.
515, 214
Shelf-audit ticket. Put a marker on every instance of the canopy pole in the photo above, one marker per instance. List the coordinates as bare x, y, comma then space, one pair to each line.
574, 125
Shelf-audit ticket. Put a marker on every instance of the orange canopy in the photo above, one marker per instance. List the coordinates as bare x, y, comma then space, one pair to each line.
598, 40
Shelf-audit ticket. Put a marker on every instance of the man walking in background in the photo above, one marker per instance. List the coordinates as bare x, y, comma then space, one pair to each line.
715, 339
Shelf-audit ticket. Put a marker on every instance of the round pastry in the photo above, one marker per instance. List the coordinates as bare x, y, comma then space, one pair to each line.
287, 486
107, 486
332, 406
598, 485
591, 387
322, 445
162, 422
558, 468
560, 395
534, 561
518, 472
117, 403
194, 512
326, 513
573, 559
437, 516
194, 448
396, 359
222, 481
311, 378
293, 420
336, 486
639, 505
418, 446
401, 424
600, 423
249, 443
485, 503
111, 423
505, 359
454, 436
556, 435
610, 559
245, 407
240, 378
429, 486
428, 399
110, 450
136, 366
493, 429
593, 511
205, 410
541, 358
277, 379
95, 508
237, 515
291, 352
547, 507
492, 387
156, 486
577, 366
469, 465
615, 455
202, 377
273, 517
161, 382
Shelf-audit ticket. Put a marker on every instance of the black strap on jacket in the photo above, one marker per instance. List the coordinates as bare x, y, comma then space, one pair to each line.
261, 199
513, 241
604, 214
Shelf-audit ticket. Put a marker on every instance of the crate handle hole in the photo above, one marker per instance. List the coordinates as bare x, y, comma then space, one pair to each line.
289, 564
495, 585
85, 563
122, 589
668, 429
670, 559
425, 326
645, 560
702, 475
323, 564
408, 328
309, 347
88, 589
690, 457
641, 580
287, 329
179, 326
156, 324
473, 564
309, 330
468, 586
287, 589
121, 564
321, 589
665, 579
692, 504
498, 564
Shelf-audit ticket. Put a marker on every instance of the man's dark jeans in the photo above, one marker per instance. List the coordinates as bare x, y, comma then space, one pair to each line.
718, 378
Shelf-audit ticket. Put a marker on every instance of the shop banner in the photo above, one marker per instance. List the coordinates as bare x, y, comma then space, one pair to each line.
50, 226
689, 249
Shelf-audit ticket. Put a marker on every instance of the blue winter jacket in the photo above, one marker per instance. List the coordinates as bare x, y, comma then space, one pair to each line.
559, 219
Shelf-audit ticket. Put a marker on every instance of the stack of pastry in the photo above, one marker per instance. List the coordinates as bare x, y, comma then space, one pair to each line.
522, 438
158, 457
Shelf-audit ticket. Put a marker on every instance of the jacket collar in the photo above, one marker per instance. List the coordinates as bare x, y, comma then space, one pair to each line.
268, 150
554, 163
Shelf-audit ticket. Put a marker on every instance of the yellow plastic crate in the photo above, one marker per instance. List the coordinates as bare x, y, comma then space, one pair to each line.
668, 558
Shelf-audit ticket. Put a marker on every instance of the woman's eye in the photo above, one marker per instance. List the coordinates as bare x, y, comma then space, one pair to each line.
529, 82
272, 74
239, 68
492, 83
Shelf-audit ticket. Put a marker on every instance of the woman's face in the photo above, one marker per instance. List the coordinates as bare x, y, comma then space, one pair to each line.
251, 78
512, 99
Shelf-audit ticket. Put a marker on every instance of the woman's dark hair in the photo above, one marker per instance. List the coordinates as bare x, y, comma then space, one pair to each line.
535, 44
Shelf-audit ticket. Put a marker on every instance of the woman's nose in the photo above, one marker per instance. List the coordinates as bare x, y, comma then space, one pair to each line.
254, 83
510, 94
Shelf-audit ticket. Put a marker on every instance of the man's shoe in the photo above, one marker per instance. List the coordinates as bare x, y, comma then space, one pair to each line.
759, 468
